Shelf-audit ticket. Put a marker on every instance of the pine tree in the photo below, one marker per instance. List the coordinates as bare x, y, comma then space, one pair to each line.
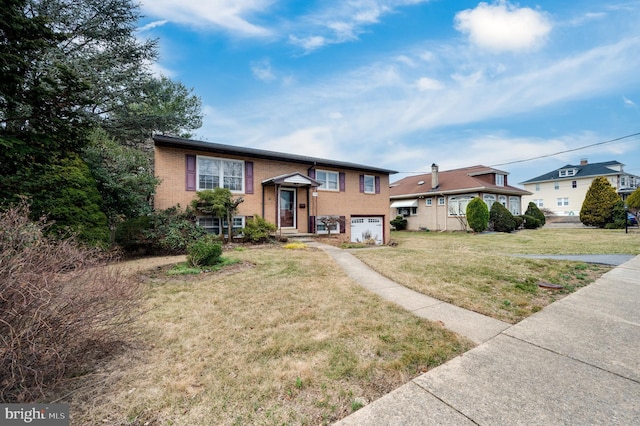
599, 206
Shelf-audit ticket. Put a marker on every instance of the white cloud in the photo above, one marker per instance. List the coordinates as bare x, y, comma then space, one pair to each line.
262, 70
308, 43
628, 102
230, 15
426, 83
503, 27
152, 25
341, 22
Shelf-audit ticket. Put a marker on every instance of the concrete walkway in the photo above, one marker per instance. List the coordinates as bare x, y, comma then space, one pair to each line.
475, 326
576, 362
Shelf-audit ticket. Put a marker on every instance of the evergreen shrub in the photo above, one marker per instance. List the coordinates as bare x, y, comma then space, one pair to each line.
531, 222
501, 219
257, 230
533, 210
204, 252
477, 215
400, 223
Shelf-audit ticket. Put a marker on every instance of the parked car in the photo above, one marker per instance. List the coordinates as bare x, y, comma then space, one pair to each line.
631, 220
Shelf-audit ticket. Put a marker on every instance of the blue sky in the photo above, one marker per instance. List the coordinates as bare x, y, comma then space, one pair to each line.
402, 84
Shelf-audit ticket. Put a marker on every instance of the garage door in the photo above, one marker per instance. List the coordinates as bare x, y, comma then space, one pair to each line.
367, 228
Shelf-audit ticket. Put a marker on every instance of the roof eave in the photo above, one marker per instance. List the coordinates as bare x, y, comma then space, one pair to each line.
173, 142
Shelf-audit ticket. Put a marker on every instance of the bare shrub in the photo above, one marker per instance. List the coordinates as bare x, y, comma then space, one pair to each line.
60, 306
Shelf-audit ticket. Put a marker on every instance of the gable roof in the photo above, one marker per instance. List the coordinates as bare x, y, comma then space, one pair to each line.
455, 181
582, 171
170, 141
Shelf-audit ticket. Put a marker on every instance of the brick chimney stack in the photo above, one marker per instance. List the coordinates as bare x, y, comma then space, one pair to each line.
584, 162
434, 176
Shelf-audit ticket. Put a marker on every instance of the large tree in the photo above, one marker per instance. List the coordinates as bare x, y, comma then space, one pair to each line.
600, 204
123, 176
68, 67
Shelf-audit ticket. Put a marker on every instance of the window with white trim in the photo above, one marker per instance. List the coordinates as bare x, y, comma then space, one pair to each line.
503, 200
537, 187
499, 180
429, 202
574, 184
369, 184
563, 202
212, 224
569, 172
489, 199
539, 202
328, 180
514, 206
441, 201
332, 225
458, 205
220, 173
556, 185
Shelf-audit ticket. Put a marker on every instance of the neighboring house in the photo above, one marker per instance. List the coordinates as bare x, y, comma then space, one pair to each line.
563, 190
294, 192
438, 200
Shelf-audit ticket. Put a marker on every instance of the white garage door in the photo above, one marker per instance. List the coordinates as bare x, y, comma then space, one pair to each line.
367, 228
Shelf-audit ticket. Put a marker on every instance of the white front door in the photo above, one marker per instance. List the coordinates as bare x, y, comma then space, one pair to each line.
287, 208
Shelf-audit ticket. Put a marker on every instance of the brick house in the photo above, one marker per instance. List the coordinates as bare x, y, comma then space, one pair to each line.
438, 200
563, 190
294, 192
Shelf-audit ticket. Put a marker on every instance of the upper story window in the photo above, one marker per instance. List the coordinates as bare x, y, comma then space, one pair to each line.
567, 172
220, 173
328, 180
429, 202
574, 184
537, 187
369, 184
441, 201
499, 180
556, 185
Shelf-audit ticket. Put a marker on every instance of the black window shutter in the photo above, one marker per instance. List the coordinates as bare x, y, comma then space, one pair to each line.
342, 181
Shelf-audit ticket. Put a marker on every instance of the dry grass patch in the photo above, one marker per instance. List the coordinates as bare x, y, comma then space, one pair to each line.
282, 338
476, 272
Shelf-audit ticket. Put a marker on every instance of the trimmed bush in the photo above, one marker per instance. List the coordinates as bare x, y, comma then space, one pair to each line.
531, 222
501, 219
477, 215
519, 221
400, 223
257, 230
204, 252
533, 210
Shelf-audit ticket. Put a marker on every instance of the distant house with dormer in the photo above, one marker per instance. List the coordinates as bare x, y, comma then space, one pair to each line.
563, 190
438, 200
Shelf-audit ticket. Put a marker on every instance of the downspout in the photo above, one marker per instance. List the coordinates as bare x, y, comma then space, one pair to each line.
263, 201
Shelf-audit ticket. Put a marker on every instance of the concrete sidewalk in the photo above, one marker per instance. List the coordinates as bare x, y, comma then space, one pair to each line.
576, 362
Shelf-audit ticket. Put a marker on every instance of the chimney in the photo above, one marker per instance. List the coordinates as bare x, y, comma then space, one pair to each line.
434, 176
584, 162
